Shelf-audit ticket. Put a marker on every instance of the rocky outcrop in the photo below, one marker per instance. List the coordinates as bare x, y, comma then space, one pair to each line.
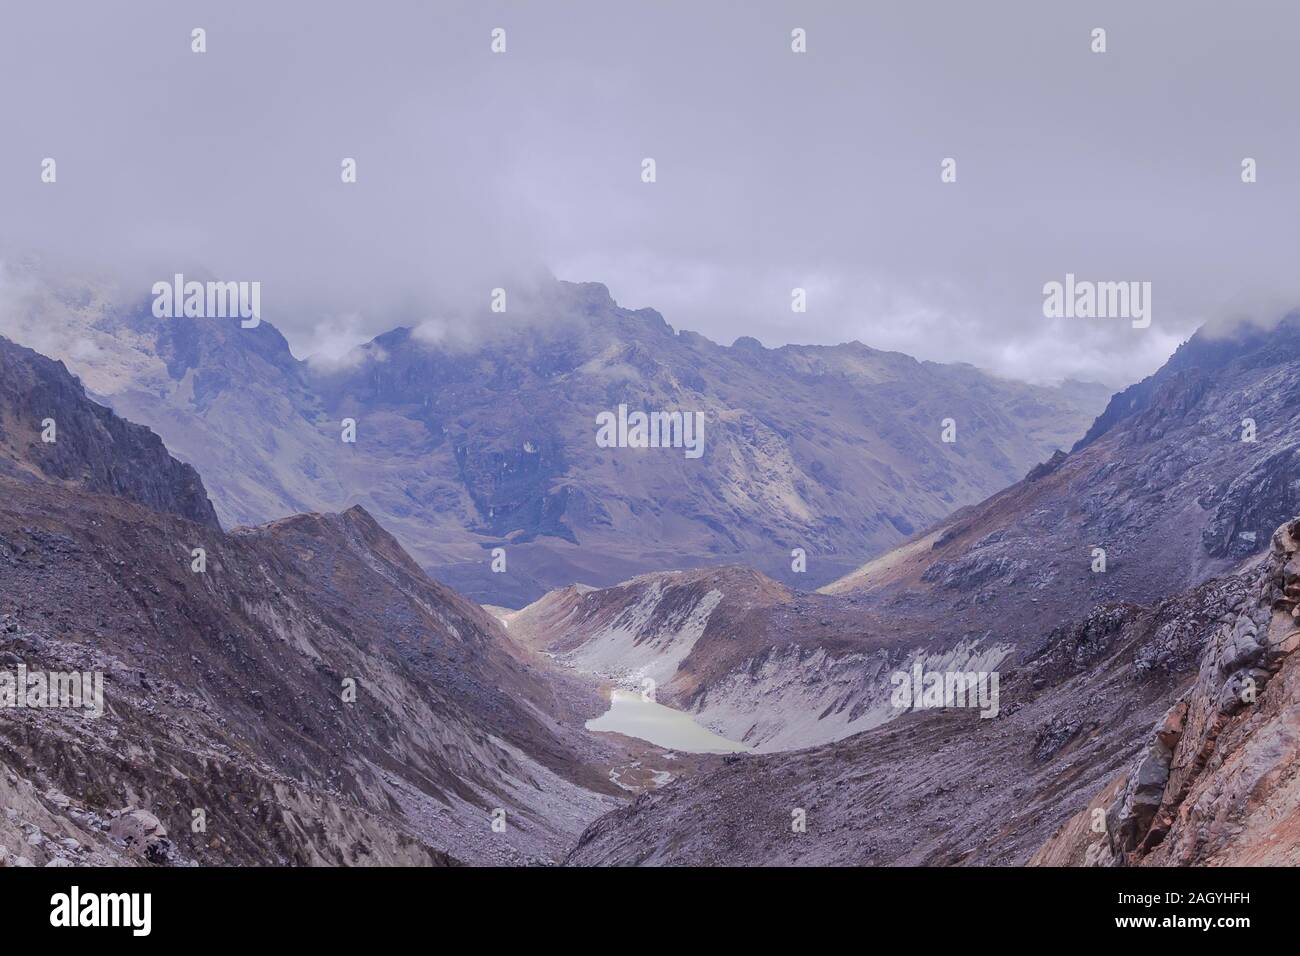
1217, 781
141, 833
1261, 497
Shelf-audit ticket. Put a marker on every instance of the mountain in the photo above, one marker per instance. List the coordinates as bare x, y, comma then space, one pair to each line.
748, 658
306, 691
1123, 685
49, 430
467, 443
1164, 483
1156, 696
938, 787
1120, 688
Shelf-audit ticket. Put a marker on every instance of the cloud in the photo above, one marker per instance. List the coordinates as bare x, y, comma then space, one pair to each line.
332, 346
775, 170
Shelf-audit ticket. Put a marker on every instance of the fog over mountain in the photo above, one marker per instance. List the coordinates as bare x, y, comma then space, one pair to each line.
1144, 713
602, 434
820, 171
468, 441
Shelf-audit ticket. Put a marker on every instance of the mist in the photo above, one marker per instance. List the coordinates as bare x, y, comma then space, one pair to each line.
775, 170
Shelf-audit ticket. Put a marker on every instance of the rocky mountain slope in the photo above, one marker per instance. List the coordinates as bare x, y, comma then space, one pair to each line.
307, 693
1218, 783
1164, 483
1095, 658
750, 659
943, 786
50, 431
465, 444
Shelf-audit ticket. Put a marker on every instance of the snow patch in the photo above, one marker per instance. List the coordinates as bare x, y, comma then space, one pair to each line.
792, 698
629, 649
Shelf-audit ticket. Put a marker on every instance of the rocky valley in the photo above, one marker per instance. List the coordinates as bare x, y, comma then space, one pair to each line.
303, 691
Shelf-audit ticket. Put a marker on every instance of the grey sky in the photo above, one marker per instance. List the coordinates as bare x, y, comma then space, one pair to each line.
775, 169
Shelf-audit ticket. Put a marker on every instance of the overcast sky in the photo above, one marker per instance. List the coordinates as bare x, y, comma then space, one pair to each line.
775, 169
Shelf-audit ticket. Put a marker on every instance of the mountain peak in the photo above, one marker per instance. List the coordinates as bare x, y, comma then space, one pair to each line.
593, 298
48, 427
1213, 351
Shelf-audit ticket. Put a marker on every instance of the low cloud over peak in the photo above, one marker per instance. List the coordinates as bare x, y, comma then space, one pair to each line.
774, 170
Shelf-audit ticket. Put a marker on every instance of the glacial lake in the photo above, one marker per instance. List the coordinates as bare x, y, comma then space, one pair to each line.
662, 726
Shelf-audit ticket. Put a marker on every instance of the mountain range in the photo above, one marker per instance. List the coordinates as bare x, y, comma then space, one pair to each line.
467, 444
319, 697
1122, 686
307, 690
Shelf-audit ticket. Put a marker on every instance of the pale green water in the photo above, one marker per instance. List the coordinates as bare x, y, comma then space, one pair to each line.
630, 715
